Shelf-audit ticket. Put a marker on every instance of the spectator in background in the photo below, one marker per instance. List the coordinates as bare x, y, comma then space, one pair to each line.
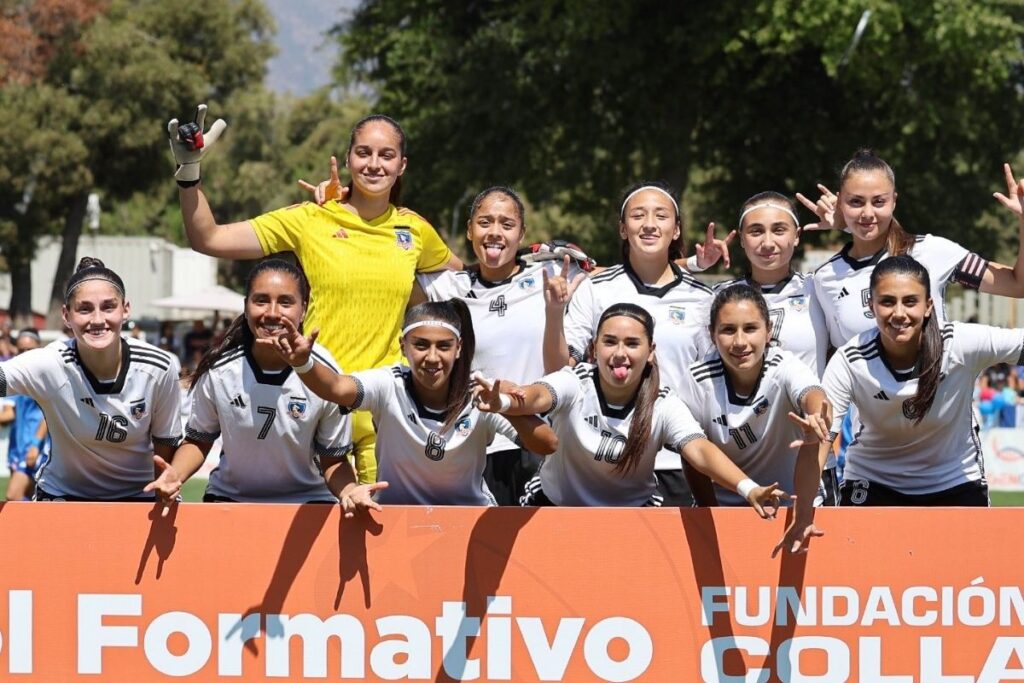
166, 339
29, 442
7, 348
197, 342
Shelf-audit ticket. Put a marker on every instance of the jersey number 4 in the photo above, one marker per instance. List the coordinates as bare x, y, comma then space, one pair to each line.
498, 306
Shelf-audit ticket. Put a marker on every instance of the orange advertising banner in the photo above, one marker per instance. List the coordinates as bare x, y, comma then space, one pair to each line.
116, 592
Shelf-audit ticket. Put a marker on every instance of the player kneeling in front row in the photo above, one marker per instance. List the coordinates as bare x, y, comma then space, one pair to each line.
611, 419
282, 443
431, 438
111, 402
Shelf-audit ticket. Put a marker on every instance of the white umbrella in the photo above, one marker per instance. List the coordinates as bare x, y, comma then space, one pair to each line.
216, 298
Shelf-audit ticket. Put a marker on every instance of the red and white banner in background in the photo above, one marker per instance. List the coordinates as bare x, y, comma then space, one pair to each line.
1004, 458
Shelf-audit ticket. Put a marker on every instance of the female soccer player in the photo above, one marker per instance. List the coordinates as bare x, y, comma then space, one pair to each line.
432, 440
612, 418
360, 255
865, 205
111, 402
29, 441
650, 228
911, 379
769, 234
282, 443
745, 393
503, 295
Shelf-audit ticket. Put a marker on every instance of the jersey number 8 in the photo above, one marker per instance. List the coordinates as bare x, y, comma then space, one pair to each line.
435, 447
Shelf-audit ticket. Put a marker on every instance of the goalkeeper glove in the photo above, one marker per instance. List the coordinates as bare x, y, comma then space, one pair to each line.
556, 250
189, 145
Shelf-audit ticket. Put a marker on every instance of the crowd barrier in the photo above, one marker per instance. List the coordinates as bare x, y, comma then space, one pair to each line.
117, 592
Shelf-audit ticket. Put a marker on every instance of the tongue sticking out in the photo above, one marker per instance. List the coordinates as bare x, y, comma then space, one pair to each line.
620, 372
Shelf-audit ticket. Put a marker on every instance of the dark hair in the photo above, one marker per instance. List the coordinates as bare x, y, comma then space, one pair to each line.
396, 190
864, 160
238, 333
646, 393
90, 268
675, 249
504, 191
738, 292
768, 197
929, 357
455, 313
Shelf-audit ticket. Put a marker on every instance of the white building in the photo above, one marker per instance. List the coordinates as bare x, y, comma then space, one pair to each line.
151, 268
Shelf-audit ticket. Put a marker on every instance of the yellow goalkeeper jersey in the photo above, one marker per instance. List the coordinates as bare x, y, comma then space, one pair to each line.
360, 274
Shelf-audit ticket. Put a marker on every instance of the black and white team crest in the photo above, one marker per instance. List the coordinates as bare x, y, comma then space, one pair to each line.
296, 406
238, 402
138, 409
498, 306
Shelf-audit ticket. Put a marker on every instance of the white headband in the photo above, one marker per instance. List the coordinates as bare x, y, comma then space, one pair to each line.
432, 323
771, 205
622, 211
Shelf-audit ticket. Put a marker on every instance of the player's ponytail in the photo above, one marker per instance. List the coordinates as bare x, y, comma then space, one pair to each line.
90, 268
646, 393
454, 313
898, 241
929, 358
238, 333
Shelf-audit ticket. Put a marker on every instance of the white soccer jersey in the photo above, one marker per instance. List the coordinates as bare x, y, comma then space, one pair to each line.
942, 451
592, 435
798, 322
422, 464
508, 321
755, 430
102, 432
842, 284
274, 430
680, 312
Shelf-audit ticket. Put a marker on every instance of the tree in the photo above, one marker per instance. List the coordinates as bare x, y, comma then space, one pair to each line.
573, 101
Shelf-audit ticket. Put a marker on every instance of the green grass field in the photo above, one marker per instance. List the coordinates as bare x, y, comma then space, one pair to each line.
193, 492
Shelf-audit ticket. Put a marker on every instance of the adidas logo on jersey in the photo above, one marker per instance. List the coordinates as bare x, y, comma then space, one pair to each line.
412, 417
238, 402
720, 420
594, 422
882, 396
88, 402
843, 293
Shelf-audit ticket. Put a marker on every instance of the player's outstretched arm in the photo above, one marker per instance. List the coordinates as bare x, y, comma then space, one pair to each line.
1000, 279
341, 480
558, 290
536, 435
502, 396
296, 349
708, 459
189, 144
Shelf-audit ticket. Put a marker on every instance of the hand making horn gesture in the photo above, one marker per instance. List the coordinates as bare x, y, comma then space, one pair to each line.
329, 189
824, 209
1014, 197
713, 249
815, 428
558, 289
